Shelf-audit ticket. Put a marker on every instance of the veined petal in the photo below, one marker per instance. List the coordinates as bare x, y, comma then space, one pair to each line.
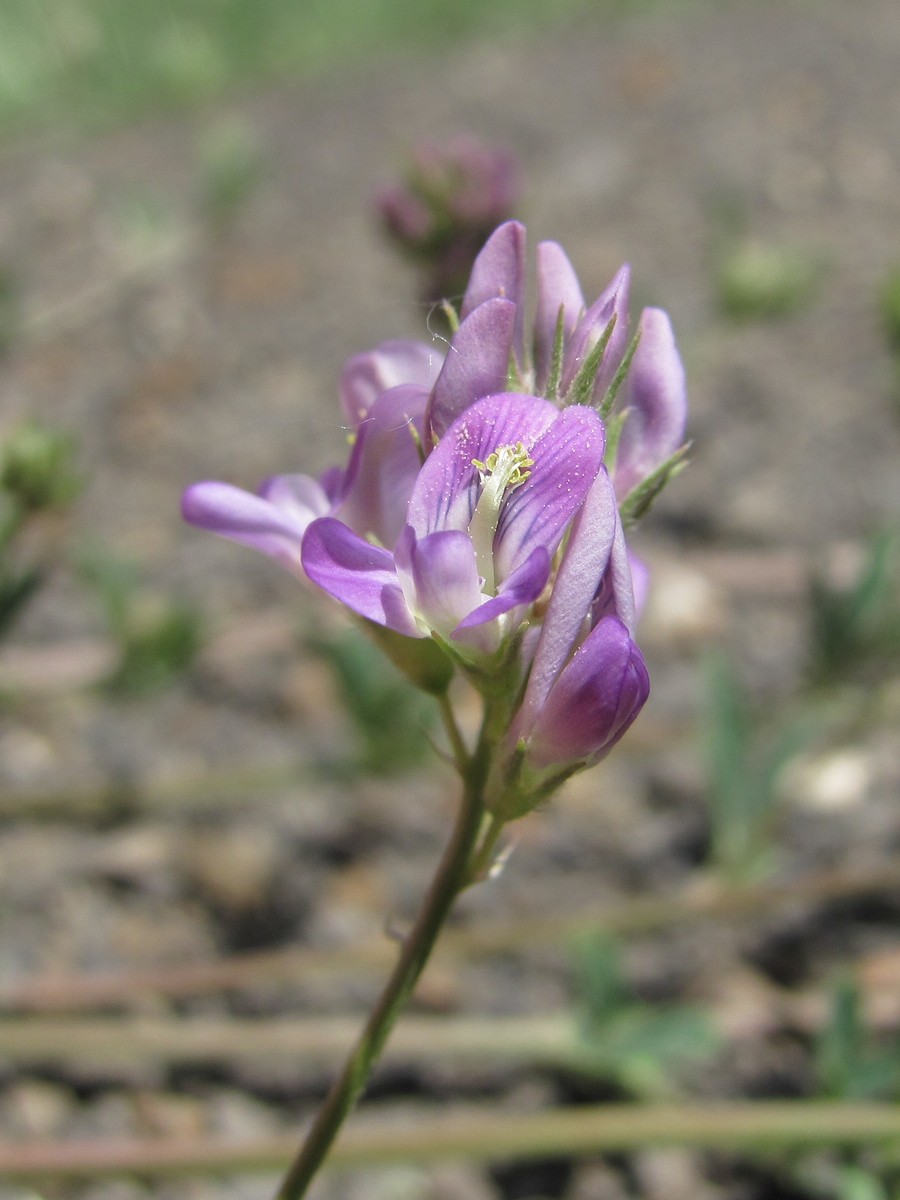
577, 581
657, 404
275, 529
567, 456
477, 363
446, 490
612, 302
360, 575
557, 287
596, 697
499, 270
365, 376
384, 464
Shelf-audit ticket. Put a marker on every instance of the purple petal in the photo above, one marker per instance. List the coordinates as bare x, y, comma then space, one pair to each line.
275, 529
580, 572
613, 301
440, 577
499, 270
360, 575
640, 583
366, 376
477, 363
657, 404
567, 457
616, 592
521, 588
446, 490
298, 496
557, 287
384, 464
597, 696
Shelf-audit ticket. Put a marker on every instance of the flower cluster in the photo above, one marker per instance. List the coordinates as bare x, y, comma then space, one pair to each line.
483, 505
441, 213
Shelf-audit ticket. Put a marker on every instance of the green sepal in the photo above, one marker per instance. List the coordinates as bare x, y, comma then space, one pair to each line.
421, 660
581, 389
639, 500
515, 378
614, 427
618, 379
551, 392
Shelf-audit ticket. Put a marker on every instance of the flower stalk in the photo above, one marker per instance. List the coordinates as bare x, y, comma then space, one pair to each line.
453, 875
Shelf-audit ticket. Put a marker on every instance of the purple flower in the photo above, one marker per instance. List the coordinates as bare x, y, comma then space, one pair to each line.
452, 196
272, 521
655, 404
486, 515
557, 359
587, 680
476, 518
365, 376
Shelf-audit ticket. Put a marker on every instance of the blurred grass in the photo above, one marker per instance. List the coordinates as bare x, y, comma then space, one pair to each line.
83, 63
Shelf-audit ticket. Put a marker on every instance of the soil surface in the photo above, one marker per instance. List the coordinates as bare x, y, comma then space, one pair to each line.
219, 817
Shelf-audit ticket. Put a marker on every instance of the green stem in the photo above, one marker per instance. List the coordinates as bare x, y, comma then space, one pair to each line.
457, 742
483, 853
450, 879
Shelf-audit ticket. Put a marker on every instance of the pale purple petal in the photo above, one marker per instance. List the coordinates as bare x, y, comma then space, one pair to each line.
384, 464
577, 581
360, 575
365, 376
640, 583
596, 697
613, 301
557, 287
499, 271
616, 593
477, 363
567, 457
299, 497
446, 490
521, 588
657, 404
439, 576
243, 517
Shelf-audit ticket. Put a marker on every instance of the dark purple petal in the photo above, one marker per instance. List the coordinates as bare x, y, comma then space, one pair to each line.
360, 575
366, 376
384, 464
567, 457
439, 576
594, 700
657, 404
577, 581
275, 529
477, 363
613, 301
557, 287
446, 490
499, 271
522, 587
